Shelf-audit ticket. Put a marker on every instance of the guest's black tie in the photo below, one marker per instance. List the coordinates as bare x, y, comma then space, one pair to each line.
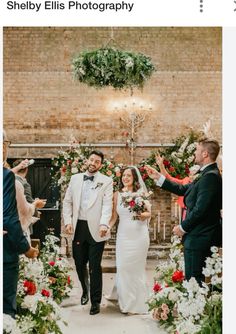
86, 177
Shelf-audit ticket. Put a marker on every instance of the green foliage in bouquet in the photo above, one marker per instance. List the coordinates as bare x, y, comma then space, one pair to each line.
109, 66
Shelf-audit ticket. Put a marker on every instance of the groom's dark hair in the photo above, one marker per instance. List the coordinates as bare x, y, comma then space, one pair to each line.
99, 153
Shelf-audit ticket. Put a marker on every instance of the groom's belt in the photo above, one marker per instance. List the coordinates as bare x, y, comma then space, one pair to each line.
82, 220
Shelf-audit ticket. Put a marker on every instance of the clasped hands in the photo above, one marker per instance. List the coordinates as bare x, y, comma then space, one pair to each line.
103, 230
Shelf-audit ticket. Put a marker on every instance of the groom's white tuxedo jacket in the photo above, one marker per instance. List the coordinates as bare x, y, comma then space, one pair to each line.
99, 208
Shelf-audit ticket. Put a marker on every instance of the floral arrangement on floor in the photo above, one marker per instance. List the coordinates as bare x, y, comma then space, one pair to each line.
110, 66
43, 283
183, 307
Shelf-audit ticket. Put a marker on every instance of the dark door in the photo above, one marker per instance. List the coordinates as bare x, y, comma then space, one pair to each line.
42, 186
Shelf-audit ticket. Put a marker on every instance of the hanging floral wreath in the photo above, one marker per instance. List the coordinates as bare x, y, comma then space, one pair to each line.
110, 66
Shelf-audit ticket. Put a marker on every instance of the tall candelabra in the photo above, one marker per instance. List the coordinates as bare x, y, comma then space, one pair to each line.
133, 115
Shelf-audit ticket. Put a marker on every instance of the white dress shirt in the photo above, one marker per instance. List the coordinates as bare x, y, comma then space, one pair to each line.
87, 188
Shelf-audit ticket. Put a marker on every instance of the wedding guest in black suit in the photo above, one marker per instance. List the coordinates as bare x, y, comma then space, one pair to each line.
14, 241
201, 227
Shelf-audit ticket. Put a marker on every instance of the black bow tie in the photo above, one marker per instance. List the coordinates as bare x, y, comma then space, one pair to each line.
86, 177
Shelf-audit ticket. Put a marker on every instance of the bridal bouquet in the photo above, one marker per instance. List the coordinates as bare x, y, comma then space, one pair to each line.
136, 202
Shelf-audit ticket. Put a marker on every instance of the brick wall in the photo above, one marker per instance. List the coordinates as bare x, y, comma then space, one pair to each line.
43, 104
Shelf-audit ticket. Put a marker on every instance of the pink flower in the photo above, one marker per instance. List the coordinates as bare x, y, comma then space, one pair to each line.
155, 314
164, 316
109, 173
165, 308
118, 174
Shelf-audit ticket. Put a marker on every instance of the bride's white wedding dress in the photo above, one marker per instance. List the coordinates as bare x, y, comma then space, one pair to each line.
131, 253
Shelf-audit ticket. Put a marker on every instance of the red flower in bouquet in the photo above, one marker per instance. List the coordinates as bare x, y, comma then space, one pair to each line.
45, 293
178, 276
157, 287
132, 204
52, 263
68, 280
30, 287
144, 176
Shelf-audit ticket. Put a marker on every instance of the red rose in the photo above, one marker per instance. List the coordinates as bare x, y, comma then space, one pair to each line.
172, 169
52, 263
157, 287
132, 204
178, 276
69, 162
142, 169
166, 163
144, 176
68, 280
30, 287
178, 176
45, 293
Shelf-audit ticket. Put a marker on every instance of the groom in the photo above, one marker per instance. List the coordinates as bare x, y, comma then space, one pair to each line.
201, 227
87, 210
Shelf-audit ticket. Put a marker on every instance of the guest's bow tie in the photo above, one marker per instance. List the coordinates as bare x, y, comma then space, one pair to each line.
86, 177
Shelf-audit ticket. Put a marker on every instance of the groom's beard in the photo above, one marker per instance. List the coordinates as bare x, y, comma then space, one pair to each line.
92, 169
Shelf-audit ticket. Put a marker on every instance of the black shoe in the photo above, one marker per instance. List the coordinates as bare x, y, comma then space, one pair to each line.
95, 308
84, 299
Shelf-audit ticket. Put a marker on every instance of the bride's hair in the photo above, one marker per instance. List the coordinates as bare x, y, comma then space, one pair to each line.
136, 185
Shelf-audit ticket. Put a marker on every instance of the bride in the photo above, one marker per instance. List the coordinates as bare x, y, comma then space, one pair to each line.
131, 246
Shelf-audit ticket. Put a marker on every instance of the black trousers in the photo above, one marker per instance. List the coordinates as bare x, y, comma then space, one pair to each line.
87, 251
194, 261
10, 279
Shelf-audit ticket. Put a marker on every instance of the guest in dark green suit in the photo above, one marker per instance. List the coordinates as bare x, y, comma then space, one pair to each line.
201, 228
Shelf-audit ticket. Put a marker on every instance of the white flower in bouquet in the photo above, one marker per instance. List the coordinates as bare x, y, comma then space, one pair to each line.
190, 159
10, 325
25, 323
214, 249
74, 170
117, 169
61, 180
129, 62
187, 327
216, 280
174, 295
191, 147
184, 145
31, 302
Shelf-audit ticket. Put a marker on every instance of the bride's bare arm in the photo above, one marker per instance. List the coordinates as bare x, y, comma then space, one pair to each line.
114, 212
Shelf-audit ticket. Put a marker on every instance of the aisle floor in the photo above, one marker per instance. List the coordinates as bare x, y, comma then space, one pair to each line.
109, 320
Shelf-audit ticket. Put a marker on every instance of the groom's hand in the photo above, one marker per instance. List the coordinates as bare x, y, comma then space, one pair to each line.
152, 172
69, 229
103, 229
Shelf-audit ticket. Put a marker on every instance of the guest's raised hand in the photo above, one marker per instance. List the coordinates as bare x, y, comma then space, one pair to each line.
152, 172
22, 165
159, 160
